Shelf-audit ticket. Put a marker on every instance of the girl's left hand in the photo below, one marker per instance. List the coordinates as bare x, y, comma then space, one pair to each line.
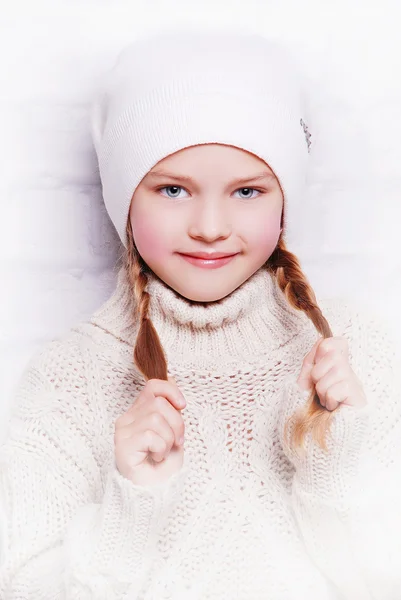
327, 367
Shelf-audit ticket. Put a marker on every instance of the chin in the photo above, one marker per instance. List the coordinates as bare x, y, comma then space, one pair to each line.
212, 295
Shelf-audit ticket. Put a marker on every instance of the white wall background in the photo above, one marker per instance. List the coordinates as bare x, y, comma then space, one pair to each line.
57, 247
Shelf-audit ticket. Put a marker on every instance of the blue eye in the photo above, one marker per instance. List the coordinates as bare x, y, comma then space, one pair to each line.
173, 191
247, 193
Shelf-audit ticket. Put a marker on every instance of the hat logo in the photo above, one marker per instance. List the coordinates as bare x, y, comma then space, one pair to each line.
307, 134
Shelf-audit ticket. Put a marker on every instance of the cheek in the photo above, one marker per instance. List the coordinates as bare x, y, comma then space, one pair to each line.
150, 239
262, 234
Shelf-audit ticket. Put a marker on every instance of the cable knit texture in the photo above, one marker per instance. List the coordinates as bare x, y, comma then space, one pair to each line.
246, 517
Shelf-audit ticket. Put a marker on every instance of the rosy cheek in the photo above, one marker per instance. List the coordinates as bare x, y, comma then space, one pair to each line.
147, 237
263, 236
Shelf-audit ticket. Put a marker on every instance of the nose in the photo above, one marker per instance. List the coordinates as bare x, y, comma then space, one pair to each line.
210, 221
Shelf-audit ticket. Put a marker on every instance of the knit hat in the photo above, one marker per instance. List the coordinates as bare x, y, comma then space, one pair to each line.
182, 88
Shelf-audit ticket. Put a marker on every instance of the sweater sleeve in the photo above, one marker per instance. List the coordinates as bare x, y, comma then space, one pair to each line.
69, 528
347, 500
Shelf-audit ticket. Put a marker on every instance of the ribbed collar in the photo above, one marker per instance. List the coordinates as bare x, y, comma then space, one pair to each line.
254, 319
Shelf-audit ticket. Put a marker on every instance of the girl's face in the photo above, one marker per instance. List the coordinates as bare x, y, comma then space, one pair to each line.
206, 218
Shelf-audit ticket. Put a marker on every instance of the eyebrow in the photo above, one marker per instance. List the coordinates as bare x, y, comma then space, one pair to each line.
157, 174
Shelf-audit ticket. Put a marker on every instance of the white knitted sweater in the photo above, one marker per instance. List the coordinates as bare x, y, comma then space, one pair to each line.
243, 519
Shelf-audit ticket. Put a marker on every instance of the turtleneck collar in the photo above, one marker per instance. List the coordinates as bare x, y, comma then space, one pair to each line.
254, 319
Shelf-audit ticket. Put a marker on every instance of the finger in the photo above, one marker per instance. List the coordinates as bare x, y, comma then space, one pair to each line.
329, 390
160, 406
310, 358
304, 379
173, 418
336, 395
338, 344
157, 423
329, 361
130, 432
166, 389
151, 443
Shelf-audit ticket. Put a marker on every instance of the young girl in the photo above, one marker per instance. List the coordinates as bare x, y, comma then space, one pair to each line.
207, 434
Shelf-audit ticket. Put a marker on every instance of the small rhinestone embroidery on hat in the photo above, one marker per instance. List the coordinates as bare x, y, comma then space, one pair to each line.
307, 134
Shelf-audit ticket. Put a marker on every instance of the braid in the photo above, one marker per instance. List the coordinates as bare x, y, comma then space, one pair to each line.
300, 295
149, 356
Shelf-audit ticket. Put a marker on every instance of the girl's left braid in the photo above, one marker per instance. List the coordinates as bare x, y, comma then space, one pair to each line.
292, 281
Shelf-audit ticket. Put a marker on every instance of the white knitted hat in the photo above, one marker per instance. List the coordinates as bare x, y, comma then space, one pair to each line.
178, 89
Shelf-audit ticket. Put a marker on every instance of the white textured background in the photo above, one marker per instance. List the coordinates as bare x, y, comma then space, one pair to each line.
57, 246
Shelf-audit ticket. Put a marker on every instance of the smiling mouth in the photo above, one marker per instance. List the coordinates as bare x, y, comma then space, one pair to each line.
206, 260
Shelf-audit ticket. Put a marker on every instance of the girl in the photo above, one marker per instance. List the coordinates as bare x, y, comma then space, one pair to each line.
206, 434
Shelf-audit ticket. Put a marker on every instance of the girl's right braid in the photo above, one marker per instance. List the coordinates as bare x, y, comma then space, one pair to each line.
149, 355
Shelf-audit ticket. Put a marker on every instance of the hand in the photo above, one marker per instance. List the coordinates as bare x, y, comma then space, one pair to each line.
149, 437
327, 366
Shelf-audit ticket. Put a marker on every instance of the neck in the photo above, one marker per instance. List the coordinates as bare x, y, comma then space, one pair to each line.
254, 319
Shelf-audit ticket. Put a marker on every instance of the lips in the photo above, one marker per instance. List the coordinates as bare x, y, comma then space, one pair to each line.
212, 260
209, 255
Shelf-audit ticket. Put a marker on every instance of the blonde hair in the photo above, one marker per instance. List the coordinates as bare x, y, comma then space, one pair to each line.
150, 358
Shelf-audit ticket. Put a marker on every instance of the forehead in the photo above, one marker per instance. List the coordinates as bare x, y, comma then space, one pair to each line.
219, 158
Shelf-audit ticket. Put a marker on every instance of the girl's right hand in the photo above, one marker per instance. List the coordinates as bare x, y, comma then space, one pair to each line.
149, 437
